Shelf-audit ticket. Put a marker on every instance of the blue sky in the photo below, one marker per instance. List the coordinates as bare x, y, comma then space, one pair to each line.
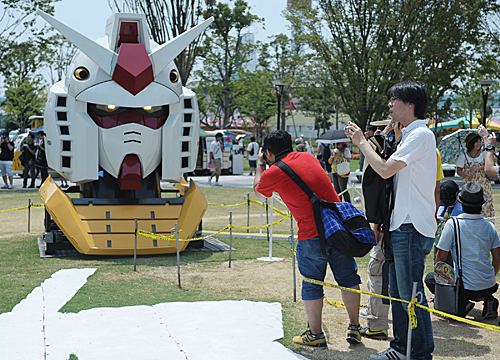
89, 16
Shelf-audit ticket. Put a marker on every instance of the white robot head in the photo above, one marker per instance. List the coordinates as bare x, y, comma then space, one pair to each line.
121, 108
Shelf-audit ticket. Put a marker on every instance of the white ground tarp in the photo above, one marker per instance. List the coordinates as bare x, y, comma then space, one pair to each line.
185, 331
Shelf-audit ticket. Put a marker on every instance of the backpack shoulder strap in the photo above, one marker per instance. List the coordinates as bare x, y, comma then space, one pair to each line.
313, 198
296, 178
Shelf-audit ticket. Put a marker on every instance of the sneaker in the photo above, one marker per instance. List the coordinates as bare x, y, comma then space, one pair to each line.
374, 334
389, 354
363, 312
354, 334
490, 308
5, 187
210, 180
309, 339
24, 186
250, 174
11, 187
217, 184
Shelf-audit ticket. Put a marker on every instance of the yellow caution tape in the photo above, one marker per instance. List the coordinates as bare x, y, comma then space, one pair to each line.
411, 314
172, 237
24, 207
241, 204
21, 208
339, 303
278, 211
411, 303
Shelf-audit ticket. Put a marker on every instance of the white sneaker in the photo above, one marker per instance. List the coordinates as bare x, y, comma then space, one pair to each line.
210, 180
217, 184
389, 354
363, 312
11, 187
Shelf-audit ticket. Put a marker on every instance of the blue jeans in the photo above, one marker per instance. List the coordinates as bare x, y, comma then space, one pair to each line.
312, 264
410, 248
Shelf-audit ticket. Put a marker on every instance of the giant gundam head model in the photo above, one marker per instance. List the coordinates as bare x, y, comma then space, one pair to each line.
121, 120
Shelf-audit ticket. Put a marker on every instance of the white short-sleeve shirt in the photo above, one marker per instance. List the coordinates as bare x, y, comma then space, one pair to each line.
471, 160
216, 149
414, 185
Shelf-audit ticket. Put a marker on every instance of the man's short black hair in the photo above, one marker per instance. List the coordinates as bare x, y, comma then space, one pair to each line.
472, 209
411, 92
252, 138
218, 135
278, 142
31, 135
5, 133
371, 128
41, 133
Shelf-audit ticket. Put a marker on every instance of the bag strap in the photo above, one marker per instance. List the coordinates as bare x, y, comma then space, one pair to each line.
458, 245
313, 198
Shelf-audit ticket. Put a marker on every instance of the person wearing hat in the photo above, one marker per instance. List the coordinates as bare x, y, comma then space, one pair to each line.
448, 205
478, 238
470, 166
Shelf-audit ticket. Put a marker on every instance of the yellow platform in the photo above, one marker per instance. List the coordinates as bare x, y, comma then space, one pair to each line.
107, 226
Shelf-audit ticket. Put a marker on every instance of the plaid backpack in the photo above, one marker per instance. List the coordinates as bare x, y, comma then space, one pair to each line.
341, 225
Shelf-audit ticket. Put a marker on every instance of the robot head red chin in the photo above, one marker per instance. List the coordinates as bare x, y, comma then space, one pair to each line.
130, 174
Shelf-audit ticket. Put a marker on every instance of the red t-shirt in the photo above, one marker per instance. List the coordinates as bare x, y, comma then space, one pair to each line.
310, 170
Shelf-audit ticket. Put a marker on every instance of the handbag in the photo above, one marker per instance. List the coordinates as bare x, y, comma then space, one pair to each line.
341, 225
449, 298
344, 168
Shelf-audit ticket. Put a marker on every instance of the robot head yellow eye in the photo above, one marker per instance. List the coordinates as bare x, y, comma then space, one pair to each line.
118, 123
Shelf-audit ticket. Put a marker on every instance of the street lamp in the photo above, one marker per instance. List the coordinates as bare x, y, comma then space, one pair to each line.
485, 86
279, 86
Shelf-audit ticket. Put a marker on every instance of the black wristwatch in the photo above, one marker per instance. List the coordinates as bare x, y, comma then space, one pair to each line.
489, 147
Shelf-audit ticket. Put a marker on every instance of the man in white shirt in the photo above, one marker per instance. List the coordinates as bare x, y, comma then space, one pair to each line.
216, 150
252, 154
413, 226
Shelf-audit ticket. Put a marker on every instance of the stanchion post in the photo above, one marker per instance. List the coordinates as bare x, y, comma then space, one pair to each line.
29, 214
408, 341
271, 231
292, 241
261, 215
135, 246
230, 236
248, 212
178, 255
267, 218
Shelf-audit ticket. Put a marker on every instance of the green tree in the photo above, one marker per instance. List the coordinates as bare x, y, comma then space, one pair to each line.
60, 54
166, 20
25, 98
369, 45
224, 51
254, 95
286, 58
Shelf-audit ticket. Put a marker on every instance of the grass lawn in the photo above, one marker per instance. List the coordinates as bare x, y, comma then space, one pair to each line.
204, 275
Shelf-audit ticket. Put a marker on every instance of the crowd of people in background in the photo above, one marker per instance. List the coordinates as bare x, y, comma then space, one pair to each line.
32, 158
416, 172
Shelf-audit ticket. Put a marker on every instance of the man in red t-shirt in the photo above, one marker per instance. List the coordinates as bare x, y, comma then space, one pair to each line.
312, 264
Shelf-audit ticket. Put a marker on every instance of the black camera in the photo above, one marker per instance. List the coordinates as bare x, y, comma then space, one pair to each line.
497, 134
